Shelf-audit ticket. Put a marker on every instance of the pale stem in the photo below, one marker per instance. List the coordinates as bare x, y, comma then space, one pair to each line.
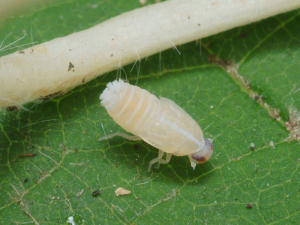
64, 63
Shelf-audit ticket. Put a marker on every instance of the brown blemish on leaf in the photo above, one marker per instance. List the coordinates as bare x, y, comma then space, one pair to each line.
223, 63
21, 52
274, 113
293, 125
249, 206
27, 155
95, 193
243, 35
12, 108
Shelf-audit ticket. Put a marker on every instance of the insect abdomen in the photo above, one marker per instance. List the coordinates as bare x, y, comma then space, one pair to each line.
130, 106
161, 123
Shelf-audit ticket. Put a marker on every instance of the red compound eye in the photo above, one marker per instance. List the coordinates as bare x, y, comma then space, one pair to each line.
202, 159
199, 159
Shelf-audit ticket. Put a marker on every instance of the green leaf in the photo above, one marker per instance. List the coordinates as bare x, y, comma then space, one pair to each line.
70, 164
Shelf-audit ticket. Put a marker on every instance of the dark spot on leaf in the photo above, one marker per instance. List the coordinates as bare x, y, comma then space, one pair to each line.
211, 58
83, 80
21, 52
24, 134
27, 155
25, 180
97, 192
252, 148
243, 35
249, 206
224, 63
12, 108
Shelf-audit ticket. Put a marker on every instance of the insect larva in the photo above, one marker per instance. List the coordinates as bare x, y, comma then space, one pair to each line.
159, 122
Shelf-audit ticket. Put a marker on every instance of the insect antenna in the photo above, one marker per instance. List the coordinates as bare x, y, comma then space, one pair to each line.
139, 67
207, 126
125, 73
5, 39
104, 133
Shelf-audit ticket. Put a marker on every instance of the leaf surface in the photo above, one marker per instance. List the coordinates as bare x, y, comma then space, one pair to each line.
70, 164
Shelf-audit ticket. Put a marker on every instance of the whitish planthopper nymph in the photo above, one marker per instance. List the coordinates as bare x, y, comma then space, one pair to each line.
159, 122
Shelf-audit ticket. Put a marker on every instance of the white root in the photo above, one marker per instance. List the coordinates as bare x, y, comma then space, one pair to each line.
64, 63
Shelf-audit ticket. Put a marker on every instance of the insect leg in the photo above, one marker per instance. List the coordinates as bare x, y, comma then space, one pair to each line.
193, 164
128, 137
164, 161
160, 155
